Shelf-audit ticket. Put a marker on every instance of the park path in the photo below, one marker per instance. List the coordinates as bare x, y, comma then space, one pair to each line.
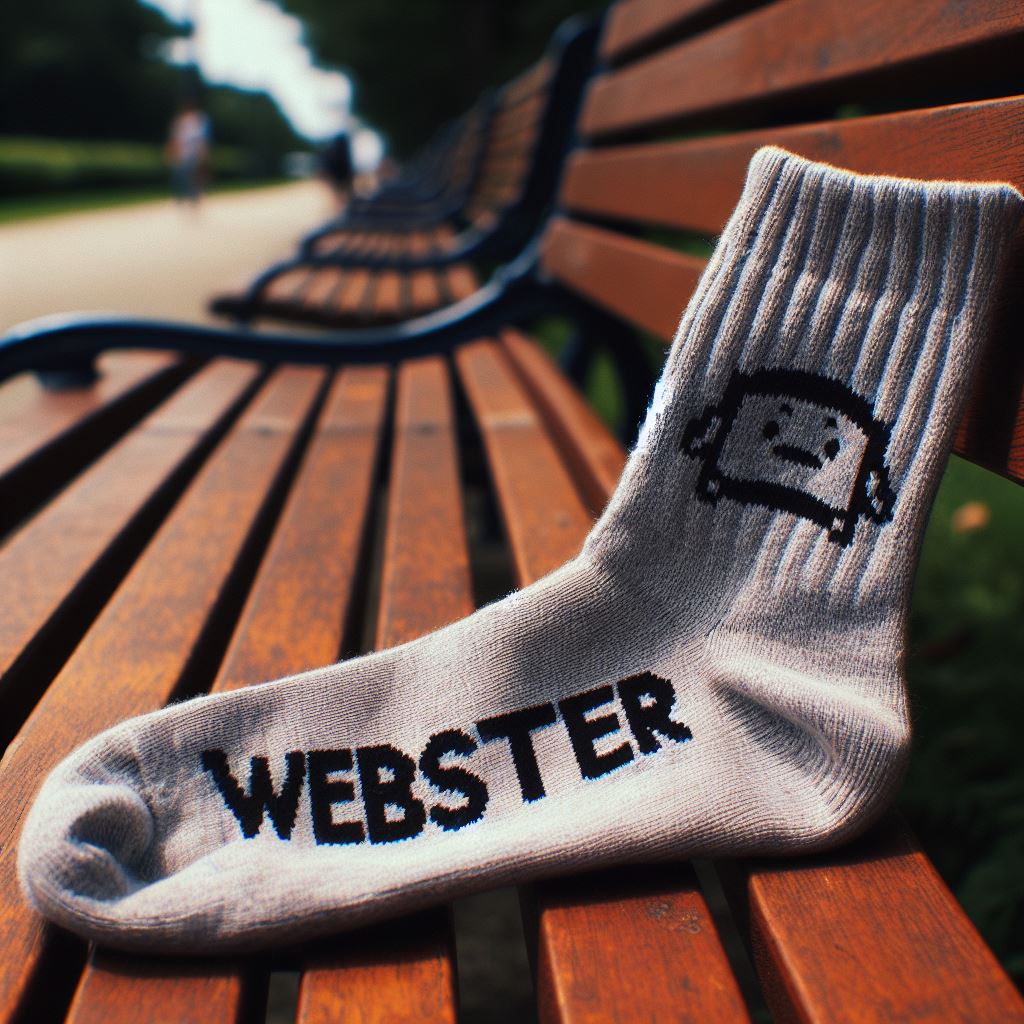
150, 259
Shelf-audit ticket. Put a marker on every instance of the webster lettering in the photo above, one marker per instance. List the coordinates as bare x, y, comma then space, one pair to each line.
376, 793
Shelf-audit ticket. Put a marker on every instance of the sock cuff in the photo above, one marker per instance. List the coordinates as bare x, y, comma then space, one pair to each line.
863, 300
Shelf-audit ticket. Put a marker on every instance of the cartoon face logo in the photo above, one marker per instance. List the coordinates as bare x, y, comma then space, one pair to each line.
798, 443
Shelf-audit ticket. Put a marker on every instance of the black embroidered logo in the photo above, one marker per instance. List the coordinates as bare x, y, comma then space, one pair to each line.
795, 442
381, 794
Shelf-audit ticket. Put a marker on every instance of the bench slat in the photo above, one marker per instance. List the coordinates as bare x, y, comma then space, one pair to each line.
69, 555
695, 184
632, 944
594, 457
47, 436
133, 657
587, 945
643, 283
872, 927
642, 23
292, 621
649, 286
407, 971
784, 48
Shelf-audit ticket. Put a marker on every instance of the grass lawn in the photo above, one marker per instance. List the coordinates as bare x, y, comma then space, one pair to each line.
31, 207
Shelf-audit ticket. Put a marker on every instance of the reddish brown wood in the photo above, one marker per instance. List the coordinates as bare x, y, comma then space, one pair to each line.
365, 990
55, 554
632, 944
323, 284
637, 24
156, 990
287, 287
292, 621
132, 658
387, 296
643, 283
460, 281
407, 971
588, 944
594, 456
46, 437
783, 48
351, 296
871, 933
294, 617
695, 184
34, 418
424, 292
425, 577
544, 516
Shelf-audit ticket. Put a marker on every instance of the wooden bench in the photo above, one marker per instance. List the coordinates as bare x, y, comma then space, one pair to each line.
169, 547
351, 272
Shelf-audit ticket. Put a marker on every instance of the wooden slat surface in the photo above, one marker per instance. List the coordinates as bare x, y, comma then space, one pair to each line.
406, 971
592, 453
32, 418
695, 184
642, 283
871, 933
632, 944
47, 436
133, 657
594, 953
778, 50
66, 555
292, 621
639, 23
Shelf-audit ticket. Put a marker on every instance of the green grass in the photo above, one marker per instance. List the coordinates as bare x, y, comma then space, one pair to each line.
964, 794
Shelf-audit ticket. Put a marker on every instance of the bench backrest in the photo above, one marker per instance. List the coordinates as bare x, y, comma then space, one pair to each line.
788, 73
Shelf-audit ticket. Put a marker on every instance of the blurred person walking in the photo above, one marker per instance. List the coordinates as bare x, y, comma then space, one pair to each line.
188, 151
337, 167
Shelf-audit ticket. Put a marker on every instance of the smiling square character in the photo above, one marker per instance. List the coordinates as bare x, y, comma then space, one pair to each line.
795, 442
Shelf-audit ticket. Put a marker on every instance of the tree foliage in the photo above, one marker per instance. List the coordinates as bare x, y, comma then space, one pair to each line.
92, 70
417, 64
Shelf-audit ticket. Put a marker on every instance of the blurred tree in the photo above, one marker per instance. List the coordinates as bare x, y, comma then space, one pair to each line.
415, 65
85, 70
76, 70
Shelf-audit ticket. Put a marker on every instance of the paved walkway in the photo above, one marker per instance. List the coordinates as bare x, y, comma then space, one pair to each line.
151, 259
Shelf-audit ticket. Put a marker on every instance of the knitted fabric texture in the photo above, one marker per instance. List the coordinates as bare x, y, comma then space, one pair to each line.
717, 673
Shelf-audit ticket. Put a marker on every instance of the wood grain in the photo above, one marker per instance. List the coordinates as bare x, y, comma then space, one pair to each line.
695, 184
406, 971
632, 944
133, 657
292, 621
593, 455
63, 560
640, 282
46, 437
595, 933
639, 24
779, 50
871, 933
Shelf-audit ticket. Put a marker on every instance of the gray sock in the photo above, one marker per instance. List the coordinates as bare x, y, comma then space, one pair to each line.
719, 671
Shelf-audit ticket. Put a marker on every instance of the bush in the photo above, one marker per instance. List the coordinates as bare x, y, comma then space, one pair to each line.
30, 166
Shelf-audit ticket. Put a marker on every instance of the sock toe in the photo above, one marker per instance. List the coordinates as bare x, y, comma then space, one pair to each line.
84, 843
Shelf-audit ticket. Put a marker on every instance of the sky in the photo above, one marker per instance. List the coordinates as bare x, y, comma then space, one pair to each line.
253, 44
